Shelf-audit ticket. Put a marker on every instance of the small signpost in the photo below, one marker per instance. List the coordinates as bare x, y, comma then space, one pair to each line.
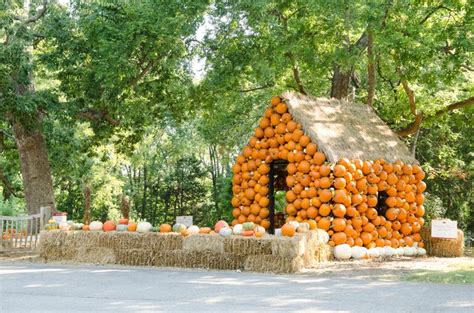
444, 229
185, 220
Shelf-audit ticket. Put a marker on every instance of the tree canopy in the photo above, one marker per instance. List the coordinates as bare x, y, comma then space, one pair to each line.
112, 88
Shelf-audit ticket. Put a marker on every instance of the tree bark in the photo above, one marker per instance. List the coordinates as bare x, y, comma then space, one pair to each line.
35, 169
340, 82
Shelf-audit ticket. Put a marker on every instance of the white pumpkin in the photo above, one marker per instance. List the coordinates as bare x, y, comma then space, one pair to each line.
64, 226
409, 251
358, 252
389, 251
373, 252
399, 251
225, 231
381, 251
237, 230
260, 229
96, 226
420, 251
144, 227
294, 223
323, 235
278, 232
192, 230
342, 252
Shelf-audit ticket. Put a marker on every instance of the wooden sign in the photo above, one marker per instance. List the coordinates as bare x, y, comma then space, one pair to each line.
444, 229
185, 220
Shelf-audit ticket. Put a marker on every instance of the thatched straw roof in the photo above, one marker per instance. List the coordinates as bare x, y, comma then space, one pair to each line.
346, 130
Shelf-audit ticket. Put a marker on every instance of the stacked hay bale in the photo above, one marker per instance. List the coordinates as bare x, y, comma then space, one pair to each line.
443, 247
371, 203
268, 254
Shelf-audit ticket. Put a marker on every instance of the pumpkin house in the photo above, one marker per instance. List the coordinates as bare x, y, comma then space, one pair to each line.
341, 167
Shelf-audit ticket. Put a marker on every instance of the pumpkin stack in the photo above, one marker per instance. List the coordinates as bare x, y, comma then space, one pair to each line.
372, 203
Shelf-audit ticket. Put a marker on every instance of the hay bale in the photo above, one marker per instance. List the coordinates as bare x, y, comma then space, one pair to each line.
443, 247
93, 255
142, 257
201, 242
290, 247
243, 246
199, 259
273, 264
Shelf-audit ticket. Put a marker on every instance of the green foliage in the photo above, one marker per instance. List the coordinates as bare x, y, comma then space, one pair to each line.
123, 114
12, 206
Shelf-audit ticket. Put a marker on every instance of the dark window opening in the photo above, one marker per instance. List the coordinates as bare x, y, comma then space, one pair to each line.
276, 187
381, 205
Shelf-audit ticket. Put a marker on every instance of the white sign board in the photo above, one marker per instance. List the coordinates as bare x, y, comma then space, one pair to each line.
185, 220
444, 229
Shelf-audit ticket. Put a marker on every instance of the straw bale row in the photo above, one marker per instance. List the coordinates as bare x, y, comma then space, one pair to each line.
268, 254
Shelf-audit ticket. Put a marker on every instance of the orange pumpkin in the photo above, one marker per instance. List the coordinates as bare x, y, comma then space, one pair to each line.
165, 228
288, 230
132, 226
109, 226
339, 238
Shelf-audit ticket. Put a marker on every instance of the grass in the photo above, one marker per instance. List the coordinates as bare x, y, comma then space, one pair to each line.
461, 273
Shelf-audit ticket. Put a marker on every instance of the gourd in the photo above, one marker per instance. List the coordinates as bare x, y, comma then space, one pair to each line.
248, 233
373, 252
303, 227
420, 251
144, 227
165, 228
96, 226
86, 227
205, 230
399, 251
294, 223
109, 226
122, 227
278, 232
219, 225
154, 229
409, 251
178, 228
248, 226
64, 226
225, 231
389, 251
288, 230
78, 226
259, 229
192, 230
342, 252
237, 230
381, 251
123, 221
259, 234
132, 226
323, 235
358, 252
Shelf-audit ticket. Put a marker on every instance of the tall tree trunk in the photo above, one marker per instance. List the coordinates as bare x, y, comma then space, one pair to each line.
35, 169
340, 82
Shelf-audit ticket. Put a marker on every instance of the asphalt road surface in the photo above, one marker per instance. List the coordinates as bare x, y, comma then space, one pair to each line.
36, 287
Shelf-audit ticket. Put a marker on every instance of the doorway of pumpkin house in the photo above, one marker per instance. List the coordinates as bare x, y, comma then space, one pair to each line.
277, 188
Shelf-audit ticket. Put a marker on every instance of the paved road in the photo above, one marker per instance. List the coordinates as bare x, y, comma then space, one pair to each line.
34, 287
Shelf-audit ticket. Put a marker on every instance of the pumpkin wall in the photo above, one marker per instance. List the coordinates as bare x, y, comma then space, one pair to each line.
365, 203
